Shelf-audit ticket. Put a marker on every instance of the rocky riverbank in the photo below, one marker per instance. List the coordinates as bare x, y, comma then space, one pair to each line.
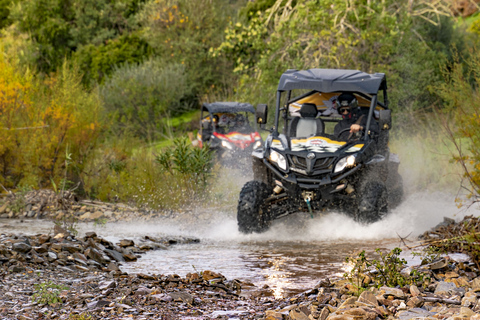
58, 276
61, 276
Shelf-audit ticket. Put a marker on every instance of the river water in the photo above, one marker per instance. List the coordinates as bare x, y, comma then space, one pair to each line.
291, 257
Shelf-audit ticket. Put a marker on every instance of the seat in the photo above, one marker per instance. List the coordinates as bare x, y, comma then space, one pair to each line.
307, 124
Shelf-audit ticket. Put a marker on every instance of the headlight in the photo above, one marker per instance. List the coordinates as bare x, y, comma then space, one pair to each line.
346, 162
227, 145
278, 159
257, 144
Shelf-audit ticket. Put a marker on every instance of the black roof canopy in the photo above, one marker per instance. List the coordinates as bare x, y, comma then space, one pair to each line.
332, 80
216, 107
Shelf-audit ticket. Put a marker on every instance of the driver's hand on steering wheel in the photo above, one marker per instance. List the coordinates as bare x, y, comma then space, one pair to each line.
355, 128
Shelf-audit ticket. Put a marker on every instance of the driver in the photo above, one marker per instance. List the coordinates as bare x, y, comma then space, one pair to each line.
347, 107
241, 124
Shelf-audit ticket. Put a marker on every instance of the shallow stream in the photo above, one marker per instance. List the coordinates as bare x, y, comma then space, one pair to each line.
291, 257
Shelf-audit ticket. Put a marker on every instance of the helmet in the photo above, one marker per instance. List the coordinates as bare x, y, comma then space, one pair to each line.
347, 101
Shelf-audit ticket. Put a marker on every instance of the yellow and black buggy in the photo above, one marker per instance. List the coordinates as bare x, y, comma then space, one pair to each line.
305, 166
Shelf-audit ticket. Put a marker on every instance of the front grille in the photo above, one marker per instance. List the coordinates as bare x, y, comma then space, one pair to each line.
323, 163
299, 162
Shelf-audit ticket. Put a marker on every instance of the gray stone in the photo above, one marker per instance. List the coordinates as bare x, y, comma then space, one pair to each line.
21, 247
443, 288
107, 285
297, 314
397, 293
126, 243
51, 256
414, 313
181, 296
117, 256
369, 298
98, 304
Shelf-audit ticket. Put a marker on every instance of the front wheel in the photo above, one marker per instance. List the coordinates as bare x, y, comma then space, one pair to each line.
373, 202
252, 215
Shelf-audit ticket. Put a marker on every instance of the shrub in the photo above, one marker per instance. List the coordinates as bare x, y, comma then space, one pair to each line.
48, 293
172, 179
462, 119
386, 271
138, 97
38, 120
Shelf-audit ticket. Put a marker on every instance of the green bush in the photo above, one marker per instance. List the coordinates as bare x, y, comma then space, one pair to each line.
48, 293
172, 179
59, 28
138, 97
99, 61
385, 271
462, 121
183, 31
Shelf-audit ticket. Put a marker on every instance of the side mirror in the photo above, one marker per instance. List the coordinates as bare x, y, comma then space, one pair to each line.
385, 119
261, 114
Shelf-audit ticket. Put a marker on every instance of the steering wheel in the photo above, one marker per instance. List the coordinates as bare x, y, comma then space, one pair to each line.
348, 129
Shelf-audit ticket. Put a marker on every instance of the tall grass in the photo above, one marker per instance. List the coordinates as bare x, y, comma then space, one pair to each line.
425, 155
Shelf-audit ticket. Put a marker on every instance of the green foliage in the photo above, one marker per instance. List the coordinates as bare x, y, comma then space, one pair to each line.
462, 98
138, 97
182, 32
406, 40
172, 179
4, 13
48, 293
99, 61
59, 27
192, 164
385, 271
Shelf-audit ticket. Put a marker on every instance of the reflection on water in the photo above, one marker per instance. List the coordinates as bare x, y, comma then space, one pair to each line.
291, 257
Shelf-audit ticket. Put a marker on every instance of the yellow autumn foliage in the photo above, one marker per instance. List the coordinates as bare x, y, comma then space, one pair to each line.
39, 119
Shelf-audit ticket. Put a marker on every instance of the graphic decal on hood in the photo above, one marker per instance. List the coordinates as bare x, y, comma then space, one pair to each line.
321, 144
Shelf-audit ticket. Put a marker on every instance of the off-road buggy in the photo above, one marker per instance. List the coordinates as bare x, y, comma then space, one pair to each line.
304, 167
226, 128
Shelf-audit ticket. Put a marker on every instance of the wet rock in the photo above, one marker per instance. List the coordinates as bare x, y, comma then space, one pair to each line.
126, 243
396, 293
414, 313
414, 290
368, 297
181, 297
273, 315
107, 285
444, 288
117, 256
297, 314
21, 247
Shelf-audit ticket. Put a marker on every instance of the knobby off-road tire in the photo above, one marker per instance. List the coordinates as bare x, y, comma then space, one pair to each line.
373, 202
395, 189
251, 213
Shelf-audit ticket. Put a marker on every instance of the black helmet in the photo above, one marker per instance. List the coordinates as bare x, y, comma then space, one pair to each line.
349, 102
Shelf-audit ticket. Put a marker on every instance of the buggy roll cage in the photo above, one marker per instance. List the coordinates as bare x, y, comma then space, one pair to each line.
226, 107
331, 80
